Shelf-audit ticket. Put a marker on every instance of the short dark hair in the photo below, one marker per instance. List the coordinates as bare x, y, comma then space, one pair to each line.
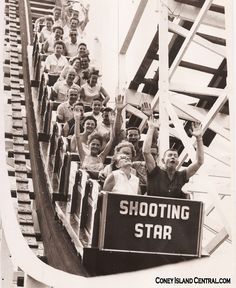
49, 18
58, 27
89, 118
95, 136
72, 31
74, 59
79, 104
97, 99
132, 128
170, 149
107, 109
73, 18
82, 43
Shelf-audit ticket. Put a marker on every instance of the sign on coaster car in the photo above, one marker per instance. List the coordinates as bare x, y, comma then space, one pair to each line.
151, 225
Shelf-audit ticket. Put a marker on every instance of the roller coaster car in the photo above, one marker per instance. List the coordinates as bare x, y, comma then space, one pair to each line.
117, 233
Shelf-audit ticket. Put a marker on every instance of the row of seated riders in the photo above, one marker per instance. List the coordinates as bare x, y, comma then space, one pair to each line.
95, 134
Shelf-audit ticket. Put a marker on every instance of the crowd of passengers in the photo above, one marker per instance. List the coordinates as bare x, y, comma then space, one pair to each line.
96, 131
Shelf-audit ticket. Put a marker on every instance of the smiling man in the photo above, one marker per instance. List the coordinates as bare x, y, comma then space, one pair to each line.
167, 181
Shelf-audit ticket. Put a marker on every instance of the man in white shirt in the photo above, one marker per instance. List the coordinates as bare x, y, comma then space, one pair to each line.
60, 88
55, 62
72, 44
65, 109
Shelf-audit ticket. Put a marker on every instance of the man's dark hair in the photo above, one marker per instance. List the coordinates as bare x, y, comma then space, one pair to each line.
132, 128
107, 109
79, 104
82, 43
170, 149
58, 27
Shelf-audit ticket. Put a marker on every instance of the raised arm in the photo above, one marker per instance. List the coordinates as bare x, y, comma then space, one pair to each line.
119, 101
79, 145
197, 132
86, 18
108, 146
106, 96
153, 124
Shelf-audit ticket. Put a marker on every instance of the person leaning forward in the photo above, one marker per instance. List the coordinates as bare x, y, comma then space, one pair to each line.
167, 181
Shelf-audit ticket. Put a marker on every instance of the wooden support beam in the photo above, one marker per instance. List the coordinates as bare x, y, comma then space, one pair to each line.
189, 13
213, 111
208, 151
190, 111
197, 90
198, 39
133, 26
213, 39
197, 67
216, 241
139, 114
199, 3
163, 78
180, 130
207, 121
184, 111
189, 37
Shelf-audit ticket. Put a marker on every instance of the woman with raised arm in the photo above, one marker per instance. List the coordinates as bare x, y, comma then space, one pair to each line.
92, 161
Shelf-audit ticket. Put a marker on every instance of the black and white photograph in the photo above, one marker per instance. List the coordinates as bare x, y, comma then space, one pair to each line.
117, 143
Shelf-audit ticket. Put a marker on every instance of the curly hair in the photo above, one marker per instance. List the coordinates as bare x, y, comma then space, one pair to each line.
125, 144
89, 118
96, 136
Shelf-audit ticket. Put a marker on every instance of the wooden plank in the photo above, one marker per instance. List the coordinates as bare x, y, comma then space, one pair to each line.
163, 78
138, 113
25, 219
216, 241
189, 37
133, 26
207, 121
194, 89
198, 39
196, 116
213, 39
24, 208
197, 3
180, 130
135, 98
189, 13
27, 230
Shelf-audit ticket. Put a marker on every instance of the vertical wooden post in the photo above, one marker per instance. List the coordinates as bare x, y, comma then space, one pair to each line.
163, 76
7, 268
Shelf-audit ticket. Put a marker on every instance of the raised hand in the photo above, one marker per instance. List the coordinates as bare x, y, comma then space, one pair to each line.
153, 123
119, 101
112, 116
77, 115
196, 129
146, 109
